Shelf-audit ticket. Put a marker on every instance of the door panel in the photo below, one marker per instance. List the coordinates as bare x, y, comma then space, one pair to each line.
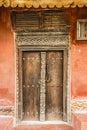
31, 85
38, 67
54, 85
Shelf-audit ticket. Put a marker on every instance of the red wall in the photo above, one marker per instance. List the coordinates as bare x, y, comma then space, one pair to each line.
7, 57
79, 70
7, 60
78, 56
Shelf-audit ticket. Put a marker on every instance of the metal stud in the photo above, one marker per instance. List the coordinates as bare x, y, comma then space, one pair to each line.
28, 58
27, 113
23, 113
23, 86
39, 81
28, 86
33, 86
37, 86
24, 59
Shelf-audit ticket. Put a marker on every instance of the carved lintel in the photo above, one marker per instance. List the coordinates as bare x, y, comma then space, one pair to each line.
42, 39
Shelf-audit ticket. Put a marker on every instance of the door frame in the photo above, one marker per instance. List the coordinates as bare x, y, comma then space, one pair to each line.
66, 95
26, 38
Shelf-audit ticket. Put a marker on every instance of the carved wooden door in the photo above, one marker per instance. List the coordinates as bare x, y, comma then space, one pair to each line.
42, 81
54, 86
31, 86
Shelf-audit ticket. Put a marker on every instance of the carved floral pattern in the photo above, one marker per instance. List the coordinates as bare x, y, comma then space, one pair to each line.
79, 105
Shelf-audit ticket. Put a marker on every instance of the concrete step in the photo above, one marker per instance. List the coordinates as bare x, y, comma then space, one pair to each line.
44, 127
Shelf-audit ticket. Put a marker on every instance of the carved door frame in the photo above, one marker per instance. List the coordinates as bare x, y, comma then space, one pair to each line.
43, 41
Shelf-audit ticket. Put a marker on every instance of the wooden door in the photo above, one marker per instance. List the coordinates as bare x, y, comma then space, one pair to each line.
54, 86
31, 85
42, 83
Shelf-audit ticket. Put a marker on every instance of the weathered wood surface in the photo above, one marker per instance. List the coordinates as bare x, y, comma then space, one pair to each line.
40, 21
31, 85
42, 85
54, 86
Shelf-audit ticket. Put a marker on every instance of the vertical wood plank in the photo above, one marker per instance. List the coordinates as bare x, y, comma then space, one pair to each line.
20, 96
65, 56
31, 85
54, 86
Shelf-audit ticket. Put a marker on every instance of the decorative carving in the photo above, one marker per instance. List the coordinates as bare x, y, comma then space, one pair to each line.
78, 105
43, 85
51, 39
35, 39
7, 110
17, 85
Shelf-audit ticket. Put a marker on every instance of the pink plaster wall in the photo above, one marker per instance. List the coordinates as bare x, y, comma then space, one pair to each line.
7, 59
78, 56
79, 70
